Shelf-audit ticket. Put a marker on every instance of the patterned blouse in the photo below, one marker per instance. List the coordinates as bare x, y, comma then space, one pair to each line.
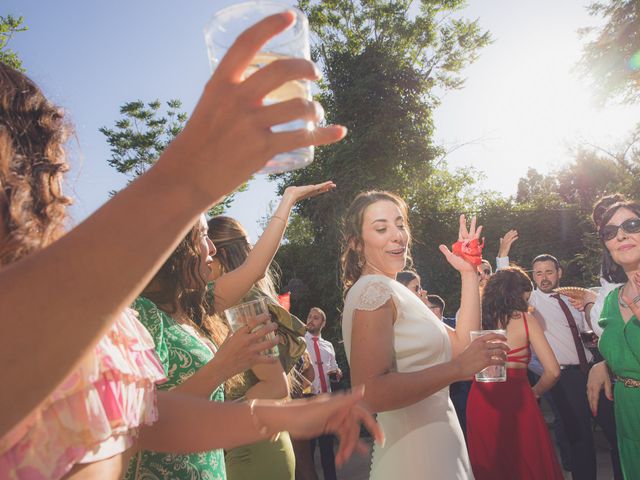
182, 353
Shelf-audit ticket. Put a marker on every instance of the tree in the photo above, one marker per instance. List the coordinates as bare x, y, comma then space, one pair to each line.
141, 136
9, 26
381, 69
556, 208
612, 58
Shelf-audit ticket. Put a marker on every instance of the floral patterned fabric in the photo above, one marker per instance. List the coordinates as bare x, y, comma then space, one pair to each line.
182, 353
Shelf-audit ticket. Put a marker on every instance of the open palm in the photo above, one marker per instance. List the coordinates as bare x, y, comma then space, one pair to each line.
295, 194
464, 234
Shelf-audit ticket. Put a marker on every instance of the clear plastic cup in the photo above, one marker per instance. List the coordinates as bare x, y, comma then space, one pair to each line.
493, 373
239, 315
223, 29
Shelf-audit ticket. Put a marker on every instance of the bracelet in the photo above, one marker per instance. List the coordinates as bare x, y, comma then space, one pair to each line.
587, 304
259, 426
279, 218
262, 429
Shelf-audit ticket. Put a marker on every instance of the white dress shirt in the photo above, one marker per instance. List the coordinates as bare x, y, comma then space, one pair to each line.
596, 309
327, 357
556, 327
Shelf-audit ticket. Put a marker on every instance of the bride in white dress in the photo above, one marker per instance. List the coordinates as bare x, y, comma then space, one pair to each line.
399, 349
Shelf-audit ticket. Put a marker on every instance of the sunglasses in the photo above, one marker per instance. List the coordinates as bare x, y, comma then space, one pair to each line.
486, 271
609, 232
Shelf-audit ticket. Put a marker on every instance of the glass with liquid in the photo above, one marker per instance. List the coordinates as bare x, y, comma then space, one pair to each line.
223, 29
493, 373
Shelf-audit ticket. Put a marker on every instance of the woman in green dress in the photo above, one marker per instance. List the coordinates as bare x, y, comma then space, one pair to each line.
619, 344
235, 258
172, 309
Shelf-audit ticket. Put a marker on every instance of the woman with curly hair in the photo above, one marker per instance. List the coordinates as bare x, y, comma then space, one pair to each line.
120, 246
189, 344
506, 433
79, 370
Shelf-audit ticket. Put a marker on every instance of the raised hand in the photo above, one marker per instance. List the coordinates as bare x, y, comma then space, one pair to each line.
228, 136
464, 235
484, 351
506, 242
295, 194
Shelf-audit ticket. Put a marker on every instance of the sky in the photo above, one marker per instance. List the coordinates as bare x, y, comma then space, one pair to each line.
521, 106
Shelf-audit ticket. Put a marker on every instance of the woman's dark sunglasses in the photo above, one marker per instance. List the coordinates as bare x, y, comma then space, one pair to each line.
609, 232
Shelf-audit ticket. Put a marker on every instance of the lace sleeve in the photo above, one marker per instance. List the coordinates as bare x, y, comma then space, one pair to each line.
374, 295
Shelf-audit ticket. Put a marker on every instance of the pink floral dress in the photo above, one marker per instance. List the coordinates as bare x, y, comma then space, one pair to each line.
95, 413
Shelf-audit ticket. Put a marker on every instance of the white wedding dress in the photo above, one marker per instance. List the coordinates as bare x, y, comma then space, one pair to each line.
424, 440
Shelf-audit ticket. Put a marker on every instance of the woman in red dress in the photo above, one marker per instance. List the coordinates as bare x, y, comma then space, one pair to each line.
506, 433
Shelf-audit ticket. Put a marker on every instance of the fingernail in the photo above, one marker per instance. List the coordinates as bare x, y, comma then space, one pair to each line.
317, 72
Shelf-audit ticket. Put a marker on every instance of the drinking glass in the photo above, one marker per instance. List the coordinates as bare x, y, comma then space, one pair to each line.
223, 29
239, 315
493, 373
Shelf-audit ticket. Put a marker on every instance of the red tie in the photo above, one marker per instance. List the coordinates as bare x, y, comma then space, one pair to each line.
323, 382
582, 358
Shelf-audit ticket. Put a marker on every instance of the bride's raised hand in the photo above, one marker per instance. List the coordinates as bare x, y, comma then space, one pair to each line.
467, 251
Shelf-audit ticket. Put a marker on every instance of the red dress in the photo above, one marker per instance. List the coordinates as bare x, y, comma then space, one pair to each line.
506, 433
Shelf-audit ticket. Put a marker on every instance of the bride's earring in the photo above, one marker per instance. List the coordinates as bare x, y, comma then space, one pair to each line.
361, 261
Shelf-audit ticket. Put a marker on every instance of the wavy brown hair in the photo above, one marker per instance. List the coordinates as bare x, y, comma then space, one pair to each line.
351, 266
232, 244
179, 285
32, 163
503, 296
233, 248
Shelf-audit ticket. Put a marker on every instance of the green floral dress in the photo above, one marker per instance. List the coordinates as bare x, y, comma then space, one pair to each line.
620, 346
182, 354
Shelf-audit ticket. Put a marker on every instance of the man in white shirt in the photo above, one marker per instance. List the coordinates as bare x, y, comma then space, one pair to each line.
562, 325
325, 367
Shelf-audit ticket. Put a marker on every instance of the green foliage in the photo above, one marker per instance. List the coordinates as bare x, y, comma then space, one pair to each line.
556, 208
612, 58
381, 67
142, 134
9, 26
435, 43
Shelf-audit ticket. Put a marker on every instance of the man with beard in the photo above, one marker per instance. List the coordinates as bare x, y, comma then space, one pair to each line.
562, 325
323, 359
